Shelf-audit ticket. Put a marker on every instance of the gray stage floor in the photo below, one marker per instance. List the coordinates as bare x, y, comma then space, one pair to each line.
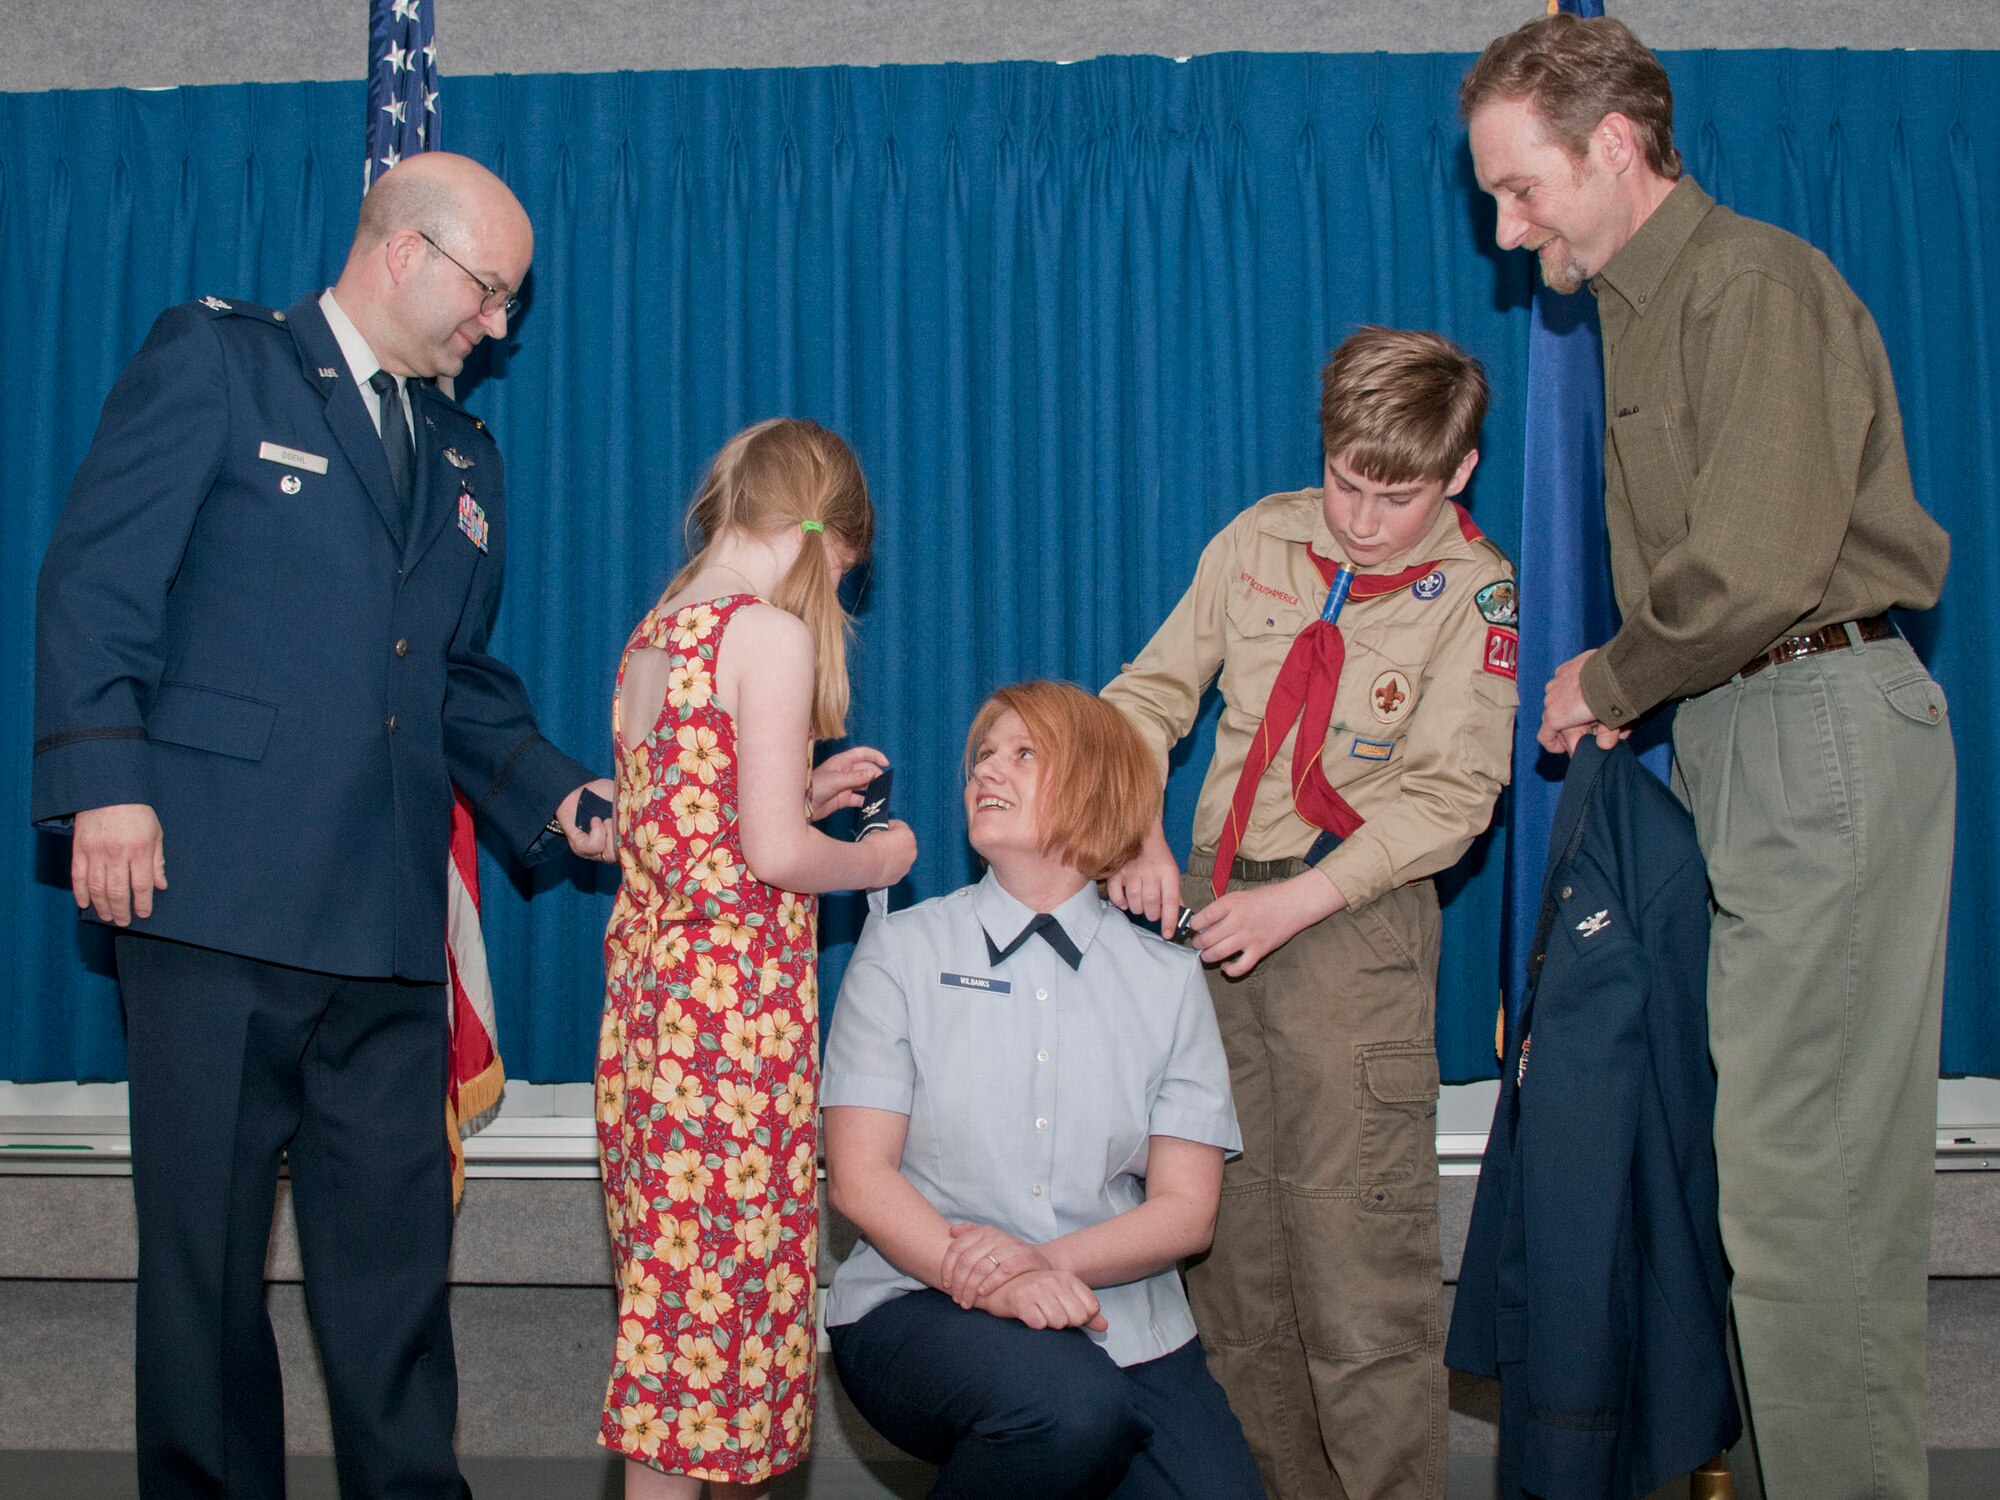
1956, 1474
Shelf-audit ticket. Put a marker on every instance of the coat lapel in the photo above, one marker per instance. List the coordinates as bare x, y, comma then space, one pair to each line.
1586, 766
438, 479
326, 371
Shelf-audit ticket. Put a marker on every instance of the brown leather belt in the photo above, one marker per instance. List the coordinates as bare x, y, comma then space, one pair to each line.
1826, 638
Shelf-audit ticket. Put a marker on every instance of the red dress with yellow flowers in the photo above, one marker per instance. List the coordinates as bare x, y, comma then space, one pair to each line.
706, 1080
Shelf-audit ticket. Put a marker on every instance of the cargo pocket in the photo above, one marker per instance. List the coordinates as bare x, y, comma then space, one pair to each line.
1397, 1083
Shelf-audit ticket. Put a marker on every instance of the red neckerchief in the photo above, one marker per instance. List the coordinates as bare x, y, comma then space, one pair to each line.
1304, 691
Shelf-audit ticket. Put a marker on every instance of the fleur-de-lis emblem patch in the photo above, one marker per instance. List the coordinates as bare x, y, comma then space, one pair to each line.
1389, 697
1595, 923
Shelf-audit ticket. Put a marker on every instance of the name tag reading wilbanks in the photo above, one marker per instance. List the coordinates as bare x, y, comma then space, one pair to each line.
981, 982
292, 458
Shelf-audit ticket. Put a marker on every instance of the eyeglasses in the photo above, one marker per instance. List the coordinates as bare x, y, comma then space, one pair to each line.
498, 298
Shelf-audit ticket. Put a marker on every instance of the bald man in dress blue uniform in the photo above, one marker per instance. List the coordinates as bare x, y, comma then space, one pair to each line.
261, 664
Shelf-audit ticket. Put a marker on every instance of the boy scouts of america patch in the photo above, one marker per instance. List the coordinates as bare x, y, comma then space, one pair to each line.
1372, 749
1430, 585
1499, 603
1389, 697
471, 519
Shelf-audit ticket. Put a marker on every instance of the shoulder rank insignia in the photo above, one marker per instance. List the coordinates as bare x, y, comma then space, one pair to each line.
1595, 923
215, 304
456, 459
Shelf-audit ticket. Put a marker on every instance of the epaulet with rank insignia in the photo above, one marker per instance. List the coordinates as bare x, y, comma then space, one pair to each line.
451, 403
218, 308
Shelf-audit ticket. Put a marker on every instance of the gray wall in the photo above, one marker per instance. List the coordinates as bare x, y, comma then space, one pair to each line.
105, 43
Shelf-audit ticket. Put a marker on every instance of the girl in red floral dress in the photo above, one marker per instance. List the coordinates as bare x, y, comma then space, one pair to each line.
708, 1063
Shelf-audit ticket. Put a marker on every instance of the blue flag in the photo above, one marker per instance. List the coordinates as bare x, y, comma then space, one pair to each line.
1567, 605
402, 83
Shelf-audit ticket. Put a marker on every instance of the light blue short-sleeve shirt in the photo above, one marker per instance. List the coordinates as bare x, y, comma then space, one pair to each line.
1032, 1089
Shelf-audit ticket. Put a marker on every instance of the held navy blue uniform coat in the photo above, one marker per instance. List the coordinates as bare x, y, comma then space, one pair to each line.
232, 627
1593, 1284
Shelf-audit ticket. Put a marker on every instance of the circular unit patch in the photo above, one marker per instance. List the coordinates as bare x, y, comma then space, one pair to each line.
1390, 698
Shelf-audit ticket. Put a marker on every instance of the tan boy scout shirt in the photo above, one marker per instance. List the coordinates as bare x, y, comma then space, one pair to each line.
1755, 483
1423, 723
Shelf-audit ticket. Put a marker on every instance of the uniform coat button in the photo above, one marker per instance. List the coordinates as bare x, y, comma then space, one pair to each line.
403, 648
392, 723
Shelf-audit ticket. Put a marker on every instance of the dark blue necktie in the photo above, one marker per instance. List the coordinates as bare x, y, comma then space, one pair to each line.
1052, 933
396, 443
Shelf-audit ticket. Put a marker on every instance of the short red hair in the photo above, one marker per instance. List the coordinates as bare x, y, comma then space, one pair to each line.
1099, 790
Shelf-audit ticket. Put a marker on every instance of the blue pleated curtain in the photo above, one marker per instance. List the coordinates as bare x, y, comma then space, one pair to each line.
1071, 318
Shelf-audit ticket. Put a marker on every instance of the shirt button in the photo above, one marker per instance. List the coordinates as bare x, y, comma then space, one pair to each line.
1041, 1124
1036, 1190
392, 723
402, 648
1041, 994
1042, 1056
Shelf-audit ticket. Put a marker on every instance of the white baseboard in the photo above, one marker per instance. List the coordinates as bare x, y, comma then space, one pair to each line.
548, 1130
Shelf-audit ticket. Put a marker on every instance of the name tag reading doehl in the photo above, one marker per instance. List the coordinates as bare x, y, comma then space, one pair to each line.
979, 983
292, 458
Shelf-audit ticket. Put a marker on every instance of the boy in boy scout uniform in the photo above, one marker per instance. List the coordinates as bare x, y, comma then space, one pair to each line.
1355, 758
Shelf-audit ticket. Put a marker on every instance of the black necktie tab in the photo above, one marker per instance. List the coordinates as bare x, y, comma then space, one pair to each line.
1052, 933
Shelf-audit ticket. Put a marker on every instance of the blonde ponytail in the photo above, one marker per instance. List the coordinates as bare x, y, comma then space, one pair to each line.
792, 472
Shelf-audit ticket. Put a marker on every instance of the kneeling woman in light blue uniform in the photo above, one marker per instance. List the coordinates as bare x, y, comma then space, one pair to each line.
1026, 1111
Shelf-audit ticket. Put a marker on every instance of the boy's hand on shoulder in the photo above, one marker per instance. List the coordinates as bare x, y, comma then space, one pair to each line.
1150, 885
1239, 928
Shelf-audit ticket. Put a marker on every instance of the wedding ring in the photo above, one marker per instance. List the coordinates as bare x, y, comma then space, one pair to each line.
992, 1257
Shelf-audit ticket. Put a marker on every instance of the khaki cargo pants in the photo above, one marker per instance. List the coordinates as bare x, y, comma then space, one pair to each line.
1320, 1302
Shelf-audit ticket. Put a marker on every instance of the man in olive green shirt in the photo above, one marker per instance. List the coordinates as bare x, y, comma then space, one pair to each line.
1762, 523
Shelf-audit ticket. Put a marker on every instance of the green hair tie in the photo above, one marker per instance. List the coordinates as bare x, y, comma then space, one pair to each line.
819, 526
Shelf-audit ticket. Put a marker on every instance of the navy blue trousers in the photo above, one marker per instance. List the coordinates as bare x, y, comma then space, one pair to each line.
236, 1064
1009, 1412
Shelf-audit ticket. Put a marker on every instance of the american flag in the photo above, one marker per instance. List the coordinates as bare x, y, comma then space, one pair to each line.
402, 83
403, 121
